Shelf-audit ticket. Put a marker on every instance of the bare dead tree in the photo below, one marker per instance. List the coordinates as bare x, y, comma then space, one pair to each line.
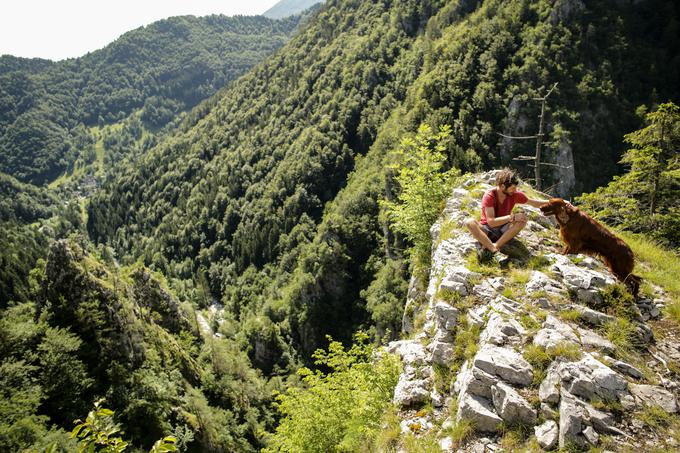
539, 142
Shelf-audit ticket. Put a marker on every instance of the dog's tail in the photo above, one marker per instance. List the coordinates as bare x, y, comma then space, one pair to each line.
632, 282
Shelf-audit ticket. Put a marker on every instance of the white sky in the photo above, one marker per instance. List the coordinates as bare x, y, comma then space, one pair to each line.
58, 29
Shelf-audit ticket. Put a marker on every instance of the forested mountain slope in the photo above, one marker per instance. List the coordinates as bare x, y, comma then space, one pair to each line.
266, 195
96, 331
47, 108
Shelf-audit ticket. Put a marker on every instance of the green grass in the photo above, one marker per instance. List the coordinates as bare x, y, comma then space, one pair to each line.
387, 439
491, 269
460, 432
622, 333
538, 262
655, 417
513, 437
570, 315
421, 444
447, 295
465, 345
448, 230
617, 301
659, 266
540, 358
607, 405
570, 351
519, 276
529, 322
442, 377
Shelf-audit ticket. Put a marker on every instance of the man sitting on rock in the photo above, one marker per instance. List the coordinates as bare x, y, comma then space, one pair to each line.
498, 224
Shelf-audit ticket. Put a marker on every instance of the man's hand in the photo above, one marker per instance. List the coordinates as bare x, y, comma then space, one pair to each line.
519, 217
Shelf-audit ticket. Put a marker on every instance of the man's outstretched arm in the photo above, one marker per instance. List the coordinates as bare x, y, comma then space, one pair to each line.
536, 203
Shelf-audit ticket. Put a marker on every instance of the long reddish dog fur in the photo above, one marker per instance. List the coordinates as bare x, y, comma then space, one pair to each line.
583, 234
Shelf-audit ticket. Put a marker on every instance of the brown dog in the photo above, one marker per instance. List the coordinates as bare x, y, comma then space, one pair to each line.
583, 234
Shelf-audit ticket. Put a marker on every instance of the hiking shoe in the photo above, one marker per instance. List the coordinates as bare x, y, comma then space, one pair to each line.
503, 261
484, 255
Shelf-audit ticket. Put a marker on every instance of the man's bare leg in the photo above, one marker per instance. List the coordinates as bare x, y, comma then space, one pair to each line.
480, 235
511, 232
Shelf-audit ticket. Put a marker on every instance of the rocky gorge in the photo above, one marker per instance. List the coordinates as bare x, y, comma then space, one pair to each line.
537, 349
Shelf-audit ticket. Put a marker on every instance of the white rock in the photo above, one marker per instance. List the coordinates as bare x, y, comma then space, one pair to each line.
457, 279
653, 395
601, 421
548, 412
538, 281
446, 444
505, 363
415, 425
510, 405
547, 434
594, 340
576, 277
594, 317
590, 435
475, 316
409, 392
500, 331
410, 351
445, 318
448, 423
437, 398
441, 352
479, 411
549, 391
571, 421
589, 377
623, 367
474, 381
554, 332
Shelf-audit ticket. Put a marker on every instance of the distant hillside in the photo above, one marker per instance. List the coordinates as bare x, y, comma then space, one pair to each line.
159, 70
286, 8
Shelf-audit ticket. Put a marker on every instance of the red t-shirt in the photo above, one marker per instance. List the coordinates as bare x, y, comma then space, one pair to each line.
490, 201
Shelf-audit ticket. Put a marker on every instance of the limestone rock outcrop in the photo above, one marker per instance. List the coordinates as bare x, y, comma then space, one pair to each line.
529, 343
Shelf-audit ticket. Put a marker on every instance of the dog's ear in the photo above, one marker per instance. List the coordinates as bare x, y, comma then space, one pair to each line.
570, 208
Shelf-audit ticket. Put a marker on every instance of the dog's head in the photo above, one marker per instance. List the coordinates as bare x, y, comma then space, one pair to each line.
557, 207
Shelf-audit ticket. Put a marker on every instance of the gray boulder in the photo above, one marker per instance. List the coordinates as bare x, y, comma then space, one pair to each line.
479, 411
653, 395
589, 378
571, 421
410, 392
554, 332
547, 434
511, 406
505, 363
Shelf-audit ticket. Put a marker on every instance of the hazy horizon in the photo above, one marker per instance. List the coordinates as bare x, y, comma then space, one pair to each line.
70, 29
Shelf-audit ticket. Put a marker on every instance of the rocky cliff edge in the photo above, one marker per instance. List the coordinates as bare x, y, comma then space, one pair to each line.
539, 352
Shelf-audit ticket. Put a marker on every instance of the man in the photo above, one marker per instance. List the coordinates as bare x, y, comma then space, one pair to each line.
498, 224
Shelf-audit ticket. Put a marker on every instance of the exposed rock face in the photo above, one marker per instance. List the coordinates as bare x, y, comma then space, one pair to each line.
111, 314
547, 434
149, 293
480, 324
74, 293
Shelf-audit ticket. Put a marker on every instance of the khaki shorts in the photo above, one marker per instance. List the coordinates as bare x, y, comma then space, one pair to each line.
495, 233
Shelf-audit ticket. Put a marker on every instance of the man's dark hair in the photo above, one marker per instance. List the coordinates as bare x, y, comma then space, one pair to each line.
506, 178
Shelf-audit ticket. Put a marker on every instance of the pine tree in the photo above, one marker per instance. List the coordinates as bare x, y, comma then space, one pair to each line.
646, 199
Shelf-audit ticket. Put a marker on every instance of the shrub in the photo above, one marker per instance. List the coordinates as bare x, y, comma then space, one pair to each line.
340, 410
